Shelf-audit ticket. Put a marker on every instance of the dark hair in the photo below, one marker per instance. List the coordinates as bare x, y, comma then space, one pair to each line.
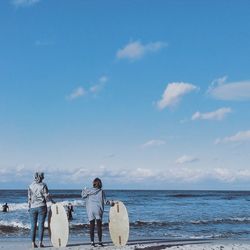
97, 183
39, 176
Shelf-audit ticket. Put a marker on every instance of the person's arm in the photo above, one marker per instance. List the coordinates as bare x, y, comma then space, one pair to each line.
84, 193
107, 202
47, 195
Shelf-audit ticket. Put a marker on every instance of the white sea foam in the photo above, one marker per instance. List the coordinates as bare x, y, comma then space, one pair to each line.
222, 220
18, 206
14, 224
24, 206
73, 202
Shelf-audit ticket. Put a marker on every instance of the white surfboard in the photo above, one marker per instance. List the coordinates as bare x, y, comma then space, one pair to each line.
58, 225
119, 224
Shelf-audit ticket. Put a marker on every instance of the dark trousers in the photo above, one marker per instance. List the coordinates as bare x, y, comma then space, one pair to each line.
92, 230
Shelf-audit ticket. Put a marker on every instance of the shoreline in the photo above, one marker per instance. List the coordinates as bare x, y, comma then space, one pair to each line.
150, 244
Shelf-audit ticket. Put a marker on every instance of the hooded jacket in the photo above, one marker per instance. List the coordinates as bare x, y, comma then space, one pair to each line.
95, 201
37, 194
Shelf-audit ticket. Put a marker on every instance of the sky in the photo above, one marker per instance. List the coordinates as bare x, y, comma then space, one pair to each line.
143, 94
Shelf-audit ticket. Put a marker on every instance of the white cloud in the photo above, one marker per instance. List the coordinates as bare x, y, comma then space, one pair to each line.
153, 143
184, 174
241, 136
224, 175
24, 3
141, 174
173, 93
99, 86
103, 79
79, 92
186, 159
234, 91
218, 115
94, 89
136, 50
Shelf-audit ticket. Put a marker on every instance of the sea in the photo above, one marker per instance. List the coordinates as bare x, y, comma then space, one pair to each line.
157, 214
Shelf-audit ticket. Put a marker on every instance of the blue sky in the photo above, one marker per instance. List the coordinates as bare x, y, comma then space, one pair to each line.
144, 94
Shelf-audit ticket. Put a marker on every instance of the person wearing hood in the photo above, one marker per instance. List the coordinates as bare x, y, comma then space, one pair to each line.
38, 195
95, 201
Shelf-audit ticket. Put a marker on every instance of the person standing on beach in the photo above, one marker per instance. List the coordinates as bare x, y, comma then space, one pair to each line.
95, 201
5, 208
38, 195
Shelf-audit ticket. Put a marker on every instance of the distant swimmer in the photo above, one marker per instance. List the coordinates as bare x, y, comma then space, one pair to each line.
5, 208
70, 210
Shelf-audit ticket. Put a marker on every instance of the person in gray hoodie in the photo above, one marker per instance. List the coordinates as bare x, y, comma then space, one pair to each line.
95, 201
38, 195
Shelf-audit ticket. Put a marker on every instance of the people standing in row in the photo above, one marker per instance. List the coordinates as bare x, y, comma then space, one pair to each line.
5, 208
38, 195
95, 201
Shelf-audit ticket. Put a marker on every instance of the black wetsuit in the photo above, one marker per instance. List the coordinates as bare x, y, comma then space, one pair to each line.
69, 212
5, 208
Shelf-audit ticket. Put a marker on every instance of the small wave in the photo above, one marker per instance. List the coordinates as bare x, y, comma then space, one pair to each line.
154, 223
9, 230
66, 196
14, 224
24, 206
184, 195
244, 220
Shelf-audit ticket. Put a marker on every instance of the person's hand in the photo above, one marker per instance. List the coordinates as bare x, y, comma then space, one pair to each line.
111, 203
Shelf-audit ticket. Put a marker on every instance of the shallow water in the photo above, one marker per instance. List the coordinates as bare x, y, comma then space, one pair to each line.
153, 214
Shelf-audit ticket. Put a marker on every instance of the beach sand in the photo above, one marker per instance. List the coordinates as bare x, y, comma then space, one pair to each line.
159, 245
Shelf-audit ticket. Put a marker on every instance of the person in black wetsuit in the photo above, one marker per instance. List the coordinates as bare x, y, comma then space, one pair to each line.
5, 208
70, 210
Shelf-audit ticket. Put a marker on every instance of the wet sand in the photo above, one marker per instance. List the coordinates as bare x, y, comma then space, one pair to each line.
146, 245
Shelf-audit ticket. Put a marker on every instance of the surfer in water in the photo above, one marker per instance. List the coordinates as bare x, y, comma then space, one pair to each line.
5, 208
70, 210
95, 201
38, 195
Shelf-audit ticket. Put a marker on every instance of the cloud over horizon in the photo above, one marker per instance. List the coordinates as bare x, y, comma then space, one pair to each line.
186, 159
136, 50
173, 94
83, 176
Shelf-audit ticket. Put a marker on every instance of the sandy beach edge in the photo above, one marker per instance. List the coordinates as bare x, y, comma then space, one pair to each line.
136, 245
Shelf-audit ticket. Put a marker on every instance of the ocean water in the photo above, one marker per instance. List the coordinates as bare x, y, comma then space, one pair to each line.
153, 214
